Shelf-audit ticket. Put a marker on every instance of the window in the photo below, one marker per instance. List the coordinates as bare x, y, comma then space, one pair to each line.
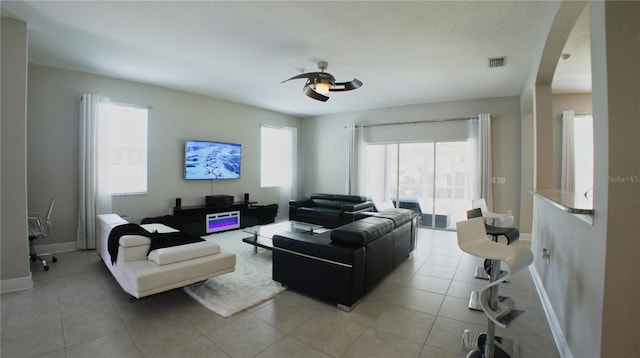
124, 132
276, 156
428, 177
583, 154
577, 153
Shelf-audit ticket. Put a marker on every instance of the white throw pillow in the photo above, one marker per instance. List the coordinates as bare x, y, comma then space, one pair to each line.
169, 255
134, 240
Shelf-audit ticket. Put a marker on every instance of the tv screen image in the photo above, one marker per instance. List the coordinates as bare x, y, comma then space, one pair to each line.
212, 160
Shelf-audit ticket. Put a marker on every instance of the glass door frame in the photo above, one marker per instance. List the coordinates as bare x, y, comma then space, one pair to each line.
429, 169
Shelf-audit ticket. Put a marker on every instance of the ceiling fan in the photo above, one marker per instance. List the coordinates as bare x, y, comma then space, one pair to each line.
322, 82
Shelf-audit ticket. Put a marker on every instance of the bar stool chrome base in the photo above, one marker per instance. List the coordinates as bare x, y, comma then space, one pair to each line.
481, 273
471, 340
474, 301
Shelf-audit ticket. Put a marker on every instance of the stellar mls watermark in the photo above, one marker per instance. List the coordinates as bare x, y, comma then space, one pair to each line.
624, 179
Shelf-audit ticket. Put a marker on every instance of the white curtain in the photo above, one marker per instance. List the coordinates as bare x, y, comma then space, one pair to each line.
355, 149
361, 155
568, 155
289, 190
479, 137
94, 196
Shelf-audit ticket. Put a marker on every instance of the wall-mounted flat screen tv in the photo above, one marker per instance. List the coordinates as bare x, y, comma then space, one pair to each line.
211, 160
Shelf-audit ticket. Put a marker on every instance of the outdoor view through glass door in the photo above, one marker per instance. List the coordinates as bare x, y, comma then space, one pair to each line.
429, 178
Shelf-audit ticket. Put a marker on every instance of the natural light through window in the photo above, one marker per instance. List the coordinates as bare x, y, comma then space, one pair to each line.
276, 156
583, 154
126, 128
428, 177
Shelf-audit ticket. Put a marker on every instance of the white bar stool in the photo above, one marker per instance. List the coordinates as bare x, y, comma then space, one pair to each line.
494, 219
510, 234
472, 239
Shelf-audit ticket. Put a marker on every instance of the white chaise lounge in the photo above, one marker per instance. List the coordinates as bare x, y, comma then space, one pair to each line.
164, 269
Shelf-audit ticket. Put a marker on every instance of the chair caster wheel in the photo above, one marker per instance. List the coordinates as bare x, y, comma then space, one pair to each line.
46, 268
54, 259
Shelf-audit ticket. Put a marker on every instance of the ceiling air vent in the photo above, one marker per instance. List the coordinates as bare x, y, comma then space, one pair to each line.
496, 62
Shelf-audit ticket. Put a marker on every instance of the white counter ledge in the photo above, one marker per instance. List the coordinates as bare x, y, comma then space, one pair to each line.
566, 201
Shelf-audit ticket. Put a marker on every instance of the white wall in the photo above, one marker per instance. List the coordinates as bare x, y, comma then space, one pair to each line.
14, 271
616, 105
573, 278
53, 104
324, 168
590, 283
527, 161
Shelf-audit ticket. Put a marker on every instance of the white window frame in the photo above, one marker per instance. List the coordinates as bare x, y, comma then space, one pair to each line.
583, 154
276, 156
124, 129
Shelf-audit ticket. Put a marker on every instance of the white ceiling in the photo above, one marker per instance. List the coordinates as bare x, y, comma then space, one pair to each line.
403, 52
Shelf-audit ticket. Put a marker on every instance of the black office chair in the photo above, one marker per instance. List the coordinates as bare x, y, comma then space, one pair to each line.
36, 231
262, 214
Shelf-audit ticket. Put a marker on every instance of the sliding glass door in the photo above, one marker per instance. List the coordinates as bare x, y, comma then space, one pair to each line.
454, 175
431, 178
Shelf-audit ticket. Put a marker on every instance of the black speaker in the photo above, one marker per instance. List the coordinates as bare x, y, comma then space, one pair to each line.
178, 202
246, 197
218, 201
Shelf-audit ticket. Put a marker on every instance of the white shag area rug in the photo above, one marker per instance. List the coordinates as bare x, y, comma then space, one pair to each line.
248, 285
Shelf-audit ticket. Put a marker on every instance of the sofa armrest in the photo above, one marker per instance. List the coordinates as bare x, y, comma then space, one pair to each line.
364, 214
350, 212
133, 248
355, 207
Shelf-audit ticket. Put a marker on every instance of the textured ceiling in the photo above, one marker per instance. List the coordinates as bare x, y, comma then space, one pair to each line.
403, 52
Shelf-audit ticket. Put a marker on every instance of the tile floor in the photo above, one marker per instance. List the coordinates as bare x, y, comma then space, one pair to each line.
76, 309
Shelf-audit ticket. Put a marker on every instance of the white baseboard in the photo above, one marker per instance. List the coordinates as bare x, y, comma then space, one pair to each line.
53, 248
524, 240
16, 284
525, 236
554, 324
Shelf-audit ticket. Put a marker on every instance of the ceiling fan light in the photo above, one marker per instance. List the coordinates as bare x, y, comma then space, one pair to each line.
322, 87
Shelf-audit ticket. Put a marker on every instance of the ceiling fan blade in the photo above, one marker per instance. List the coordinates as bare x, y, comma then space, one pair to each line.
313, 94
346, 86
303, 75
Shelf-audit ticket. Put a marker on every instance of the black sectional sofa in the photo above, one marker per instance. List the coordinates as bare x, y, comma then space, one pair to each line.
342, 265
328, 210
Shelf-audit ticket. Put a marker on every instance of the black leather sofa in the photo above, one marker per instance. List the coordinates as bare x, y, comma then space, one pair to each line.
328, 210
342, 265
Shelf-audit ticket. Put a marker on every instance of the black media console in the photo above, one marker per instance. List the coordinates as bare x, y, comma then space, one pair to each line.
202, 220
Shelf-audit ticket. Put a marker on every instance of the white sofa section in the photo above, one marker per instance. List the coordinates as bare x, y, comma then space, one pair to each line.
164, 269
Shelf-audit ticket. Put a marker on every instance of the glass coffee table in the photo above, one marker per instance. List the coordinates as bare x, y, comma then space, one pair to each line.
263, 234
